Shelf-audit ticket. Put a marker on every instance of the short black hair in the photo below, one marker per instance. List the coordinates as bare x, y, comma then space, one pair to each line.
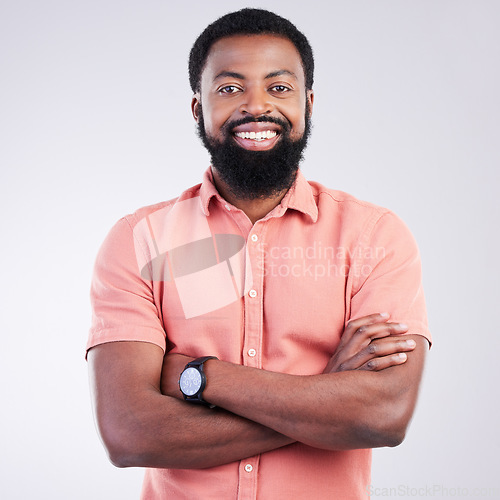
250, 22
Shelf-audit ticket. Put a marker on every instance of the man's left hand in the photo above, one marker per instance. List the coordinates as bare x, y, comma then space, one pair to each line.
371, 343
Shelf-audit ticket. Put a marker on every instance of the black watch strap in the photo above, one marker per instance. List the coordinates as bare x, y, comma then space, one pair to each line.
198, 362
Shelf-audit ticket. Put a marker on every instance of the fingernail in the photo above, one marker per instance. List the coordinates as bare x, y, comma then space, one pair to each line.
384, 315
411, 343
402, 355
403, 326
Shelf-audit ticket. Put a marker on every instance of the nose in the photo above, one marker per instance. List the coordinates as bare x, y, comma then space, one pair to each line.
256, 102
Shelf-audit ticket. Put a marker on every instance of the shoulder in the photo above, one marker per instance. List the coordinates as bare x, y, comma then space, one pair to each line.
342, 200
346, 209
141, 228
158, 209
362, 221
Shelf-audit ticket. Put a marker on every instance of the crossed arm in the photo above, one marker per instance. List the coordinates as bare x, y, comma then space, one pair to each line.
364, 398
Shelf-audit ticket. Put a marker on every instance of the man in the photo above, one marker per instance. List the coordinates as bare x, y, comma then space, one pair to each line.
277, 306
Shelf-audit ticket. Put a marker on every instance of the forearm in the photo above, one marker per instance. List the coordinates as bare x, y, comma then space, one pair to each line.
346, 410
173, 434
141, 427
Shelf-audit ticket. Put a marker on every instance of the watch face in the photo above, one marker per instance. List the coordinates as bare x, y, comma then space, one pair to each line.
190, 381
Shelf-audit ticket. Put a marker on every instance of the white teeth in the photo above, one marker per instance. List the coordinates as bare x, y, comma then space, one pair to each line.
256, 136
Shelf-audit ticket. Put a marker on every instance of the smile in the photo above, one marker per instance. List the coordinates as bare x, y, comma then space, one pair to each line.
257, 136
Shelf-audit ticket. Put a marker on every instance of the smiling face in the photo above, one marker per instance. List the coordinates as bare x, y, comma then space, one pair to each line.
253, 76
253, 112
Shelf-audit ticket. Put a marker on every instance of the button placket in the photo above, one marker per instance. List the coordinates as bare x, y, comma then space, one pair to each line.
248, 472
254, 300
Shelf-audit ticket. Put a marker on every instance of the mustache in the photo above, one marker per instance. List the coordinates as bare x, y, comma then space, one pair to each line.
285, 125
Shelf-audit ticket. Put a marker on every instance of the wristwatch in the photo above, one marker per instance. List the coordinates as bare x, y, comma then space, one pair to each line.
193, 380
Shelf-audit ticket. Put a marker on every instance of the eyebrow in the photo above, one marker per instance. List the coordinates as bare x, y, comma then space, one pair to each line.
239, 76
229, 74
280, 72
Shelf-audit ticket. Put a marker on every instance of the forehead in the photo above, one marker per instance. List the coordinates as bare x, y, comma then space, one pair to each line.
253, 56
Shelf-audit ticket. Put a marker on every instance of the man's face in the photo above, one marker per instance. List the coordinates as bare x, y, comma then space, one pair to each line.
253, 113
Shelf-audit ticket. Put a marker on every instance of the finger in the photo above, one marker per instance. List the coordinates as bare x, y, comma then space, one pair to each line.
365, 334
384, 348
378, 364
348, 351
354, 324
379, 330
367, 320
378, 349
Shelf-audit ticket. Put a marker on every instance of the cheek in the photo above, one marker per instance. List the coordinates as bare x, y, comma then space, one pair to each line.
298, 124
214, 118
296, 115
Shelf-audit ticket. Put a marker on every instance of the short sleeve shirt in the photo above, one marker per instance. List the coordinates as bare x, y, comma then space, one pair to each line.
195, 276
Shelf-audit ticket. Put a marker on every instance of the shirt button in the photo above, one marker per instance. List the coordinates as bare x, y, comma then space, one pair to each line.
254, 237
248, 468
252, 293
252, 352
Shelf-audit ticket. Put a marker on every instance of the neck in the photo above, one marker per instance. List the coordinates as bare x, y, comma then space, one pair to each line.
255, 209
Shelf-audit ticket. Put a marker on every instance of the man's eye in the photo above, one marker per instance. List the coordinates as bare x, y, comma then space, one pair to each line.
280, 88
228, 89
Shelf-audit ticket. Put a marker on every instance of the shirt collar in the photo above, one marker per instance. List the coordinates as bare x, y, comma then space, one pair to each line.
299, 197
208, 191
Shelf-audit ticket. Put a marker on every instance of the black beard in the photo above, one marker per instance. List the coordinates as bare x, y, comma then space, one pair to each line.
254, 175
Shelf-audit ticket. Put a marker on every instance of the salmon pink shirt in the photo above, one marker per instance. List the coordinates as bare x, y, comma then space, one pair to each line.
195, 276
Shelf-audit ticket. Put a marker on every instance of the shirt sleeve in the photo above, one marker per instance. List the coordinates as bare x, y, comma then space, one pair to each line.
388, 276
123, 305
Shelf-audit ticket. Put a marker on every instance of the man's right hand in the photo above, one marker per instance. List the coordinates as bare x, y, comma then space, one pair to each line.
371, 343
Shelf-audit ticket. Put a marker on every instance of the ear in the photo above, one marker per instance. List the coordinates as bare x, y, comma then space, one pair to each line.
195, 107
310, 100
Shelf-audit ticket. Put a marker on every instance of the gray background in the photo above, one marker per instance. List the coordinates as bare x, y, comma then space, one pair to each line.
95, 122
